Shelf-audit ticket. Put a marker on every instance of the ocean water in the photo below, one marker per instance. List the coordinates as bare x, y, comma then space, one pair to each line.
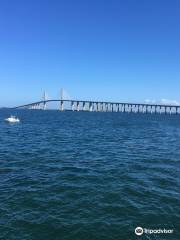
88, 176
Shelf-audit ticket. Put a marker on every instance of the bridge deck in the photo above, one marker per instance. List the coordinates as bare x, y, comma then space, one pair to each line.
98, 102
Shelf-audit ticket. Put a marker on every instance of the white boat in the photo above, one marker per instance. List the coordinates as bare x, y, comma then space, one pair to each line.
12, 119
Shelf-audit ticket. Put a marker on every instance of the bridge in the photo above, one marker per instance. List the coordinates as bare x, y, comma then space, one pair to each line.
102, 106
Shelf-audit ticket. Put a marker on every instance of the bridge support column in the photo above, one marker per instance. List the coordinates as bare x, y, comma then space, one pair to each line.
176, 110
122, 107
117, 108
112, 107
72, 105
90, 106
146, 109
151, 109
135, 108
155, 109
131, 108
138, 108
62, 105
78, 106
142, 108
44, 105
84, 106
97, 106
102, 107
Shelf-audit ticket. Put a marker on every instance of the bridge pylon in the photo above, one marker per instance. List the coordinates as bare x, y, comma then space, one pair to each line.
44, 100
61, 99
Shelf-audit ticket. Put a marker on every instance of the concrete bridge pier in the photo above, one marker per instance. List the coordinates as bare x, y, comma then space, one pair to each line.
170, 110
155, 109
176, 110
101, 107
118, 107
114, 108
106, 107
131, 108
97, 106
135, 108
122, 108
151, 111
78, 106
44, 105
72, 105
93, 107
61, 105
138, 108
142, 108
125, 108
111, 107
90, 106
146, 109
84, 106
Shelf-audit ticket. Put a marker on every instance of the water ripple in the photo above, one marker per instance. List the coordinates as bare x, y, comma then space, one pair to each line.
71, 176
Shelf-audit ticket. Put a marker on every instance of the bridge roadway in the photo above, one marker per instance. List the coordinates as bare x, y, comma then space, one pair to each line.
103, 106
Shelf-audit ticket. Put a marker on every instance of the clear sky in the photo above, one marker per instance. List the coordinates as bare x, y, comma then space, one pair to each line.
125, 50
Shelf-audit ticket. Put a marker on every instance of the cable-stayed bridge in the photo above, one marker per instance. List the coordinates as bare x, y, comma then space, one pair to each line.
101, 106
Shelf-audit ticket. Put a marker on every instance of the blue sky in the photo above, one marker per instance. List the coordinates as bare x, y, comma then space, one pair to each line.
95, 49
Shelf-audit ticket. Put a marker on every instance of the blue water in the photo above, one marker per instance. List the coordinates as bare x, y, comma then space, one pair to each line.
88, 176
